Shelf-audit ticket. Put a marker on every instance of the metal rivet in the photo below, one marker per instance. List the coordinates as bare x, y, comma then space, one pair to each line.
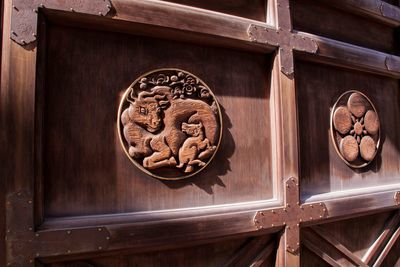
272, 211
30, 229
323, 209
30, 201
37, 254
101, 14
311, 206
30, 261
68, 251
99, 229
100, 248
37, 235
108, 238
272, 224
72, 10
311, 218
68, 232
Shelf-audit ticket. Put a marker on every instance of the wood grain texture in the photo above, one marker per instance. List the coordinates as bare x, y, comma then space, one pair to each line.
243, 8
326, 20
213, 254
74, 162
323, 171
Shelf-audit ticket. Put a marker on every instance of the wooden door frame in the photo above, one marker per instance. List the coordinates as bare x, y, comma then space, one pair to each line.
22, 76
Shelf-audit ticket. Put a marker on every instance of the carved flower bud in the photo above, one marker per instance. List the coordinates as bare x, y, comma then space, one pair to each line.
174, 78
181, 75
143, 86
143, 80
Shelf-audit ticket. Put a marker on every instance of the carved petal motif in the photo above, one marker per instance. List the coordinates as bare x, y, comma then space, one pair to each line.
355, 129
371, 122
342, 120
367, 148
357, 104
349, 148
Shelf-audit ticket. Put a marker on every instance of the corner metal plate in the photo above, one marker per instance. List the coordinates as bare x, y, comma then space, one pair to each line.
25, 13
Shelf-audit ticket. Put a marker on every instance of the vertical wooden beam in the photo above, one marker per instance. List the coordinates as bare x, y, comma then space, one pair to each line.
289, 122
4, 62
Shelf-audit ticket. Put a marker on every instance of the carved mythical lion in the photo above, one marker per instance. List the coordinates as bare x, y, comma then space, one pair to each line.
152, 126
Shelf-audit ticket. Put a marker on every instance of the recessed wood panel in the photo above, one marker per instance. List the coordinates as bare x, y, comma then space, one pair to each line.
325, 20
322, 170
85, 168
236, 252
251, 9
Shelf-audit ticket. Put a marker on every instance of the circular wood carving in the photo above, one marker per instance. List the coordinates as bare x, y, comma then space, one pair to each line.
170, 124
355, 129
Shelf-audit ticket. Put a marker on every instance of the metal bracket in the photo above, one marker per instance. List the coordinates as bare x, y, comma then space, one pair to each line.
392, 63
397, 198
292, 215
24, 14
24, 244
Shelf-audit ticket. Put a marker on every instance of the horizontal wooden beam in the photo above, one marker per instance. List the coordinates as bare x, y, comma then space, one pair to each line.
185, 18
376, 9
341, 205
354, 57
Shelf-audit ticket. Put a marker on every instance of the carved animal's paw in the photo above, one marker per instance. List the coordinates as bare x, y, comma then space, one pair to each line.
146, 162
212, 148
172, 161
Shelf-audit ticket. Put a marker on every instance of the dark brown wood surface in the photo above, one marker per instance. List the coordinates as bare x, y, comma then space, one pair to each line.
324, 171
74, 199
81, 146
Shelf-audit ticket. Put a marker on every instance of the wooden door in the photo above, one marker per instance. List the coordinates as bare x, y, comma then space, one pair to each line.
306, 97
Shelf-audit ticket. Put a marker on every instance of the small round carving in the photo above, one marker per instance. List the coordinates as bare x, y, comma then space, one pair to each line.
349, 148
367, 148
355, 129
170, 124
371, 122
342, 120
357, 104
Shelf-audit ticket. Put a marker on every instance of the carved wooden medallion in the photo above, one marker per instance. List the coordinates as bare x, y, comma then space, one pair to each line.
169, 124
355, 129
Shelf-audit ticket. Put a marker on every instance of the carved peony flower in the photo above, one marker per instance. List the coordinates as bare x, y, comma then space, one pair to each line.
358, 124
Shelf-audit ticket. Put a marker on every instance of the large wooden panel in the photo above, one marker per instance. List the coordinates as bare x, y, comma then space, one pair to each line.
325, 20
318, 87
243, 8
85, 168
214, 254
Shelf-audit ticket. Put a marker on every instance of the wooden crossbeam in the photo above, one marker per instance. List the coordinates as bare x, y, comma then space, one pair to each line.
387, 248
391, 226
309, 244
321, 232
